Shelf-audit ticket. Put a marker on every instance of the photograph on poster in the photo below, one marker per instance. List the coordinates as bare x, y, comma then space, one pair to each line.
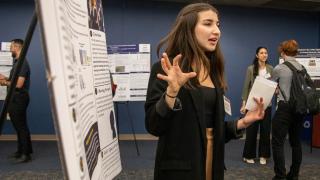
95, 15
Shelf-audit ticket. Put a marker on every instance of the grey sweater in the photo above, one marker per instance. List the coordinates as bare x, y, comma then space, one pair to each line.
283, 75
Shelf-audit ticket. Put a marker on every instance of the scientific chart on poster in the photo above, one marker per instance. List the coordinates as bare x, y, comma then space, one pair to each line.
130, 68
74, 41
310, 59
5, 68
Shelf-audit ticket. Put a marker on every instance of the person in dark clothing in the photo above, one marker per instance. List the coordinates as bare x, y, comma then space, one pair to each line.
285, 120
17, 108
185, 100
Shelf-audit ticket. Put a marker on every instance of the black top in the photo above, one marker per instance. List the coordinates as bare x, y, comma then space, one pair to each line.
182, 131
24, 72
209, 101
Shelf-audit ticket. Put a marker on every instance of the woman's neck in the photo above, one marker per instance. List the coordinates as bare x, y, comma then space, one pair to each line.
262, 64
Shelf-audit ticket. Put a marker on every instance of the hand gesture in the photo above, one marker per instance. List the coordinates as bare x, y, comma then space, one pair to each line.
3, 82
256, 114
2, 77
174, 76
243, 109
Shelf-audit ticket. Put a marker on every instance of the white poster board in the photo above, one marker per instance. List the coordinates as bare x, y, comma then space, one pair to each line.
5, 46
310, 59
5, 68
80, 88
130, 68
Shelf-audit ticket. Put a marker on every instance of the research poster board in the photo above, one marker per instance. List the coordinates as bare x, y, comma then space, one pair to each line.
310, 59
74, 42
5, 68
5, 46
130, 68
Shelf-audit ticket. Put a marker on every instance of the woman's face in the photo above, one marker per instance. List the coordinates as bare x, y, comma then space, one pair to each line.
262, 55
207, 30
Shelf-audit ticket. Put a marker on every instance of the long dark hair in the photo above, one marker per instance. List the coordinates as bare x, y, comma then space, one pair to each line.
256, 61
182, 40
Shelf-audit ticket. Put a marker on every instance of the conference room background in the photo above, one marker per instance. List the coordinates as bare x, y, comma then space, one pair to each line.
140, 21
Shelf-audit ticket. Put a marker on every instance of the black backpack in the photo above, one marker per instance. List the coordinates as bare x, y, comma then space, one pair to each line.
304, 99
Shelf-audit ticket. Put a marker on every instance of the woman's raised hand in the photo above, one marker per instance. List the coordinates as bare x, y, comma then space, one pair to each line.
256, 114
174, 76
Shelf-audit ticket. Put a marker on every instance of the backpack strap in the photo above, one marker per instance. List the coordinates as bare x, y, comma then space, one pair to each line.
284, 96
294, 71
291, 67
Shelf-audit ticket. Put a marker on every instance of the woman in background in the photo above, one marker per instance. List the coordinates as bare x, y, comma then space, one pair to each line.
261, 68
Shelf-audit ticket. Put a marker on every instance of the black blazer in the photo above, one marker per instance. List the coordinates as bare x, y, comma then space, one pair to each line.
181, 151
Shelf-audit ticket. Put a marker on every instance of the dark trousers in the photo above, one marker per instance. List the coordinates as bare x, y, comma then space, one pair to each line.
284, 122
249, 150
18, 114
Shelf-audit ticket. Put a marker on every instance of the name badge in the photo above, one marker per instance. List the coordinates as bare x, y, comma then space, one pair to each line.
267, 76
227, 105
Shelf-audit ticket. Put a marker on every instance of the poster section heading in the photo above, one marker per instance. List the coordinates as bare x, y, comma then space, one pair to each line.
130, 69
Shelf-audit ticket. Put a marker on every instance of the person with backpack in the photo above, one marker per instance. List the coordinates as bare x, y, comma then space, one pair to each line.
286, 120
259, 67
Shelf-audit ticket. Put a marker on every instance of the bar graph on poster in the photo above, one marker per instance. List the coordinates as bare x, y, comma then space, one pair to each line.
74, 41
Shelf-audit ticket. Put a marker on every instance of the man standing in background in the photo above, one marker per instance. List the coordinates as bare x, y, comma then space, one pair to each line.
17, 108
286, 120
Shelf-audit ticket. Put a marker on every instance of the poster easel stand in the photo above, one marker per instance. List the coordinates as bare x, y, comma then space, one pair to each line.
16, 71
126, 103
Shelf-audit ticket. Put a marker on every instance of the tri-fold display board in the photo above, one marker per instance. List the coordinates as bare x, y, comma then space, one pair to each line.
77, 67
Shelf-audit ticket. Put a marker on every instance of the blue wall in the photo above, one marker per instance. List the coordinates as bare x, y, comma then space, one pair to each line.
131, 22
319, 28
15, 19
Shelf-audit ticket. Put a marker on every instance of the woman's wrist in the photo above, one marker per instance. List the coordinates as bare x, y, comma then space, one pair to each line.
245, 122
171, 93
170, 96
242, 124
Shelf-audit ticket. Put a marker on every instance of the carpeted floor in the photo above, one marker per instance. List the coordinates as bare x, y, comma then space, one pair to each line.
46, 164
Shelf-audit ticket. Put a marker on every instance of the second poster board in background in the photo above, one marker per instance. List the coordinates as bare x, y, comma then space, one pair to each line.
130, 68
